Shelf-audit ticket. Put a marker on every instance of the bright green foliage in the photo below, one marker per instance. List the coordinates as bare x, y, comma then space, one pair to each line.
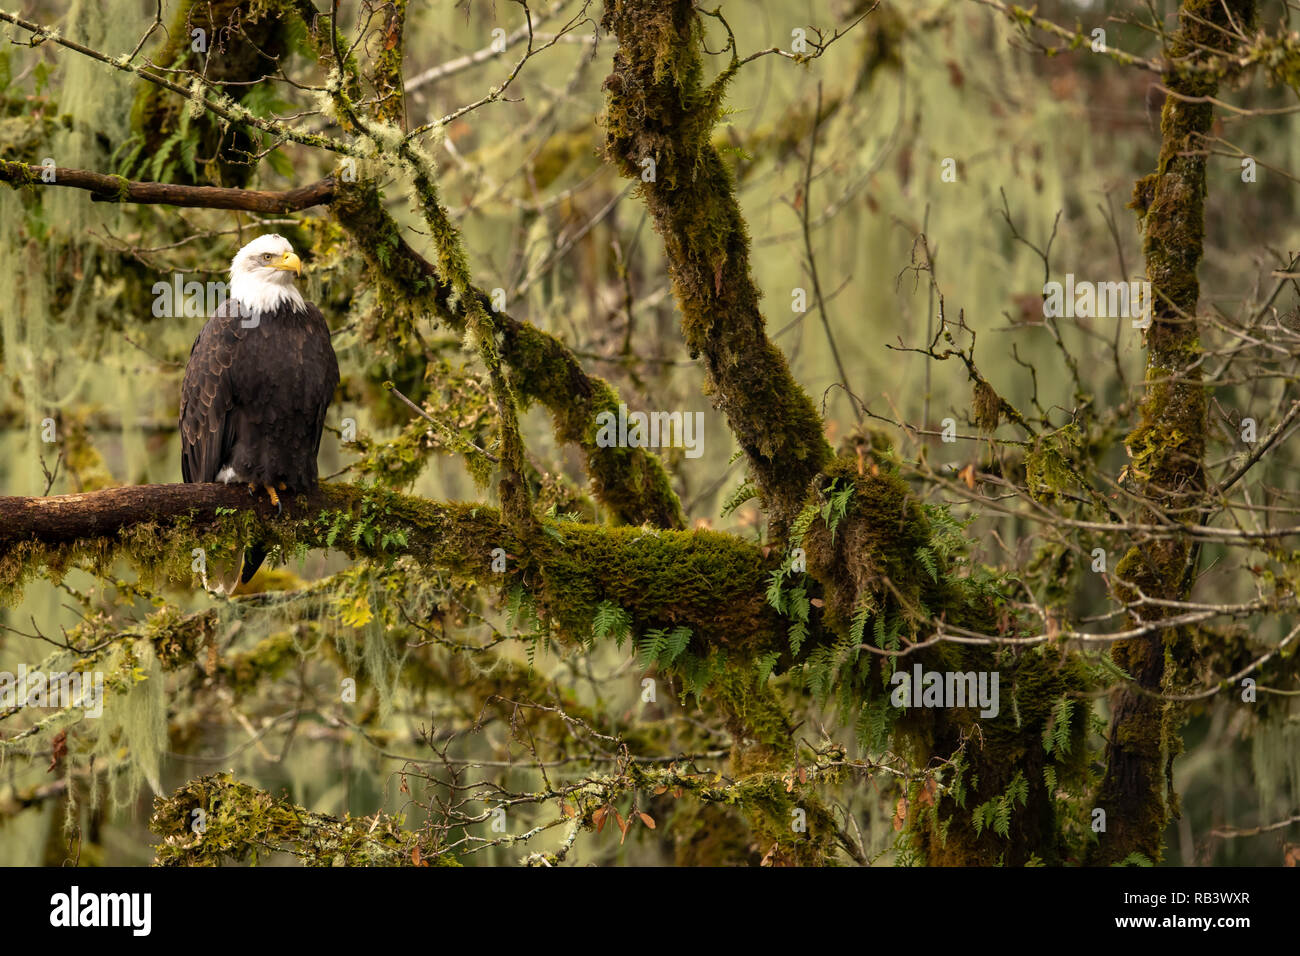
662, 647
611, 620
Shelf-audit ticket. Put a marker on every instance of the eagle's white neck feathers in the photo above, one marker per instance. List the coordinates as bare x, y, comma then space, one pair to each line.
258, 279
261, 295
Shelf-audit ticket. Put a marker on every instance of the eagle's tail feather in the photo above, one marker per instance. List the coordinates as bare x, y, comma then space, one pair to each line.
254, 555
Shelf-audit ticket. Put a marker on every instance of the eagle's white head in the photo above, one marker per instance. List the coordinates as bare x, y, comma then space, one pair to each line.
261, 275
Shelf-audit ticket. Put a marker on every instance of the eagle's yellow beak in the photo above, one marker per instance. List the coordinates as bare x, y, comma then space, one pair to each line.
290, 262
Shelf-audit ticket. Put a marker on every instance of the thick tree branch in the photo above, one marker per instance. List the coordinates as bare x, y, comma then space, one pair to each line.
659, 122
710, 582
104, 188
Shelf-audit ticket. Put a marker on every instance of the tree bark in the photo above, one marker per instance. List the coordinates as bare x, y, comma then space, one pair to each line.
1167, 447
104, 188
660, 118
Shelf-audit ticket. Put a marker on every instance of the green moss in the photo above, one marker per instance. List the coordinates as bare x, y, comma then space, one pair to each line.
1049, 471
236, 822
270, 659
659, 110
1168, 443
386, 73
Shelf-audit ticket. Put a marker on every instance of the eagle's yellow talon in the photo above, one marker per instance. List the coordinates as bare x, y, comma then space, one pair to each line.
275, 499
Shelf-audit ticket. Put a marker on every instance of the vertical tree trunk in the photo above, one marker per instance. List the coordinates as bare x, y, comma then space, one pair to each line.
1167, 445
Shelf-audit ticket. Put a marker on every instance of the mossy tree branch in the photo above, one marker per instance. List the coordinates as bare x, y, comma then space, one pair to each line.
240, 821
659, 120
1168, 443
708, 581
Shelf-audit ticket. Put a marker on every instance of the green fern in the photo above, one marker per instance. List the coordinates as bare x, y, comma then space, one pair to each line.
996, 813
1134, 859
775, 596
611, 620
1056, 733
858, 626
745, 492
663, 647
872, 727
764, 664
837, 506
802, 522
926, 557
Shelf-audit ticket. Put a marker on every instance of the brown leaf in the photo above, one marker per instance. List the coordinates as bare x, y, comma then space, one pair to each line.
661, 789
900, 813
1291, 857
390, 31
60, 748
647, 820
967, 475
416, 857
568, 811
817, 602
598, 818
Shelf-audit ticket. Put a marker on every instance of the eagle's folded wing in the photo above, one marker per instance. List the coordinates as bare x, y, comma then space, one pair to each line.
321, 356
206, 399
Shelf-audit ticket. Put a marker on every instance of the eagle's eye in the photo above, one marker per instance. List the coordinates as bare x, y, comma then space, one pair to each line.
266, 257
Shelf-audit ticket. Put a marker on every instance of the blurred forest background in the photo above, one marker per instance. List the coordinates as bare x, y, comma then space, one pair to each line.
838, 162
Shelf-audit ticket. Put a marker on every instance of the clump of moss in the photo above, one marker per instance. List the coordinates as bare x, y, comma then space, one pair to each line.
215, 819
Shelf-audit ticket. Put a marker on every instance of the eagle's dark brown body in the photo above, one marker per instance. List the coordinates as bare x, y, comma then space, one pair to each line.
253, 400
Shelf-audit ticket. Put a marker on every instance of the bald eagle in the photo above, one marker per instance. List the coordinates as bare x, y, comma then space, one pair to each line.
260, 377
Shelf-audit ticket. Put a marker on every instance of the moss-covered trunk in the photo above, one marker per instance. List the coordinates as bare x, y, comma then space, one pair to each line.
1167, 445
659, 120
